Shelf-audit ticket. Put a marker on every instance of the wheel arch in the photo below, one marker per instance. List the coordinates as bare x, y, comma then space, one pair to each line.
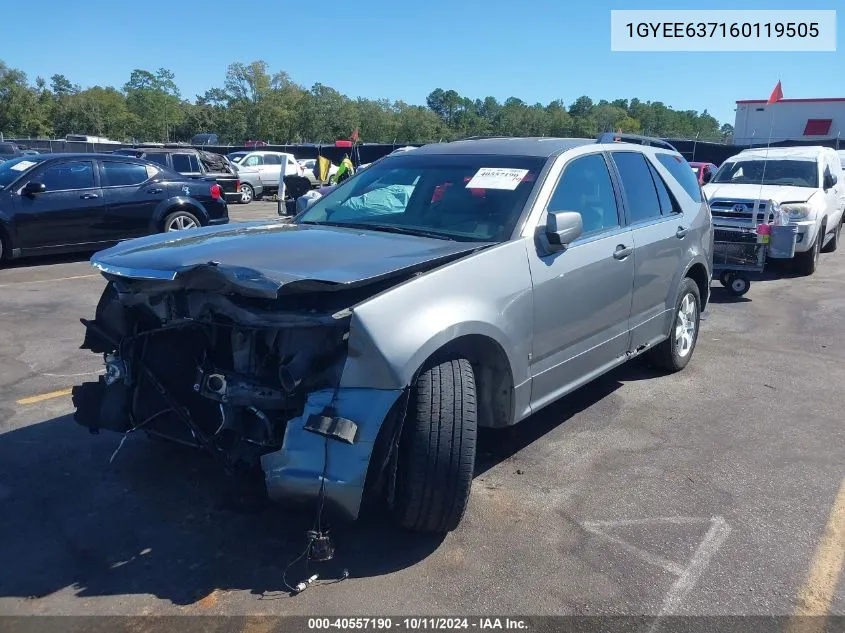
179, 203
698, 273
493, 375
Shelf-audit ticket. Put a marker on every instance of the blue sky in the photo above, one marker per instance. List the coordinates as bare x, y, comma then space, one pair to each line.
402, 49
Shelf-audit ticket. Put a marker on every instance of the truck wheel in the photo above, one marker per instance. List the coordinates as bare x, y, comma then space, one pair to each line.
179, 220
806, 263
437, 449
675, 352
247, 193
833, 244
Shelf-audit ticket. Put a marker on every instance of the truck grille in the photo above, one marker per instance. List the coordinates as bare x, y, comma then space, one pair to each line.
741, 210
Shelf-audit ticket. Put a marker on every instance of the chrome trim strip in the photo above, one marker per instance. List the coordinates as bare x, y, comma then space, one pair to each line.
134, 273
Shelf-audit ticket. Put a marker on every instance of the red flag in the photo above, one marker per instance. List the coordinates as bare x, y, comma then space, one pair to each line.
777, 94
355, 135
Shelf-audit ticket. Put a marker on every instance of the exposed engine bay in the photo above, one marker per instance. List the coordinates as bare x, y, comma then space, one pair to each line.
222, 372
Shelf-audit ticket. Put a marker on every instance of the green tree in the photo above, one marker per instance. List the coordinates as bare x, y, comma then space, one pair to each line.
154, 100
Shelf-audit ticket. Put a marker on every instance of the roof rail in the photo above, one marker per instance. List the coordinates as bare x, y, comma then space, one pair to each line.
480, 137
612, 137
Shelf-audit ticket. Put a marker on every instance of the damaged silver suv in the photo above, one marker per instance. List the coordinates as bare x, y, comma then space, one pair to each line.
355, 351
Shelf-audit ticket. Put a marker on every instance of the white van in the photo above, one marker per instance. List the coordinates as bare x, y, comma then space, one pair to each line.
807, 182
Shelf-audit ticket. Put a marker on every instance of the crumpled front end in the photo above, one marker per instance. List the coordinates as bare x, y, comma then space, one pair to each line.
251, 380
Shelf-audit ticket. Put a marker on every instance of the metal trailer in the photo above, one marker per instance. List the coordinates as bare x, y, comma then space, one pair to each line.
737, 252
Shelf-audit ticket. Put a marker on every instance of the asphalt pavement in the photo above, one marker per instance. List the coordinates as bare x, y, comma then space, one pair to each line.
714, 491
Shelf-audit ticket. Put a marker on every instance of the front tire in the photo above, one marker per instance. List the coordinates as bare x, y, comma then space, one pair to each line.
247, 193
437, 449
833, 244
806, 263
675, 352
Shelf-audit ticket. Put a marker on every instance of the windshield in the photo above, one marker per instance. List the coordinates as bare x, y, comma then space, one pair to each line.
236, 157
11, 170
794, 173
459, 197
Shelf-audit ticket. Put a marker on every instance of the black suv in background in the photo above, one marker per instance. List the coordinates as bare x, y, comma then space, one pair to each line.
55, 203
194, 164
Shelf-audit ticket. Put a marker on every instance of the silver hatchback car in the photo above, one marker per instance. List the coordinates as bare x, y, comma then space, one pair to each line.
355, 351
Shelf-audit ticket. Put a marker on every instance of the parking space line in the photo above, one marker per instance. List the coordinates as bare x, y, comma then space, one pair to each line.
44, 281
818, 589
44, 396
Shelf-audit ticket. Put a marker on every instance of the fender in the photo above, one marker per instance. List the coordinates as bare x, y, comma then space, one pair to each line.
178, 203
392, 334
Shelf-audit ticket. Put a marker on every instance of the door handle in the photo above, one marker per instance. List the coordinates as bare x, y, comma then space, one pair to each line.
681, 233
622, 251
154, 190
89, 196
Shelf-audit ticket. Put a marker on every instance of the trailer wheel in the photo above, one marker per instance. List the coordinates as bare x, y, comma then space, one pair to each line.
437, 449
739, 284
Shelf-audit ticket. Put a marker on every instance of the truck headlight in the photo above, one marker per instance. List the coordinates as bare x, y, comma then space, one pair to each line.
797, 210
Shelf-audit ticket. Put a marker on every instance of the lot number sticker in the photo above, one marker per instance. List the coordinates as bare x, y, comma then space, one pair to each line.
497, 178
24, 164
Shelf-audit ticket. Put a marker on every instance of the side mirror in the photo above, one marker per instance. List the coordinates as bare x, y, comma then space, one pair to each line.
563, 228
706, 177
34, 188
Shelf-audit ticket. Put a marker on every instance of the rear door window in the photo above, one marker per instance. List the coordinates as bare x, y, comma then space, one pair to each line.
640, 192
668, 206
271, 159
122, 174
67, 176
681, 172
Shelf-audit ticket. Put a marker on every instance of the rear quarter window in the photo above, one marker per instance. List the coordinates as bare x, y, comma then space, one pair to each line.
682, 173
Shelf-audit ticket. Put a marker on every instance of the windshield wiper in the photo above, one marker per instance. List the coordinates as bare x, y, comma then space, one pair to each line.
387, 228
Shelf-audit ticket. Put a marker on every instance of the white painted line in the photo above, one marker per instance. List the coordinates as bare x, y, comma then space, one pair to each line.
44, 281
84, 373
713, 540
652, 559
687, 574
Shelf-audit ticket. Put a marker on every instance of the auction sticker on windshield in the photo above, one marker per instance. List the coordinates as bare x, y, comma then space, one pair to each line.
497, 178
24, 164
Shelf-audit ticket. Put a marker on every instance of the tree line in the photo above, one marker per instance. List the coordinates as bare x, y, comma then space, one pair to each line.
255, 104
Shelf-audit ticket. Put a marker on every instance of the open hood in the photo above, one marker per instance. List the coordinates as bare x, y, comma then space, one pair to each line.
262, 260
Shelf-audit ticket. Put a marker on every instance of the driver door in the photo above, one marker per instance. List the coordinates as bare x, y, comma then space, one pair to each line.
582, 295
66, 212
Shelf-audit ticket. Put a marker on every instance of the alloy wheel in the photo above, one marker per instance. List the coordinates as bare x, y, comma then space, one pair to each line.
181, 222
685, 325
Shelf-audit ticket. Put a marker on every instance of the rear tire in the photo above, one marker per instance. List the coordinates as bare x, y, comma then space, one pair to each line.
833, 244
675, 352
180, 220
806, 263
437, 449
4, 248
247, 193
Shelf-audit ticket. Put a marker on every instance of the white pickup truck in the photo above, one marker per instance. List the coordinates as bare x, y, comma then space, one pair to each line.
807, 182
